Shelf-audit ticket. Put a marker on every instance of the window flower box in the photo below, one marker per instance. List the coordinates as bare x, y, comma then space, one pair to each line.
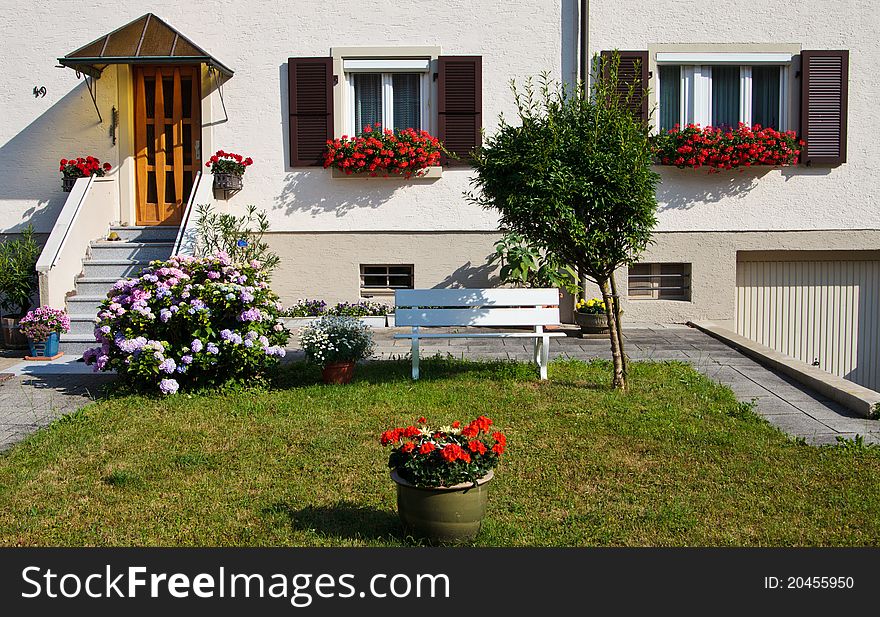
405, 153
228, 169
720, 149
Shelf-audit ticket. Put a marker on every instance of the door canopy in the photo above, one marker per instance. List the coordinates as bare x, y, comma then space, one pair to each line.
146, 40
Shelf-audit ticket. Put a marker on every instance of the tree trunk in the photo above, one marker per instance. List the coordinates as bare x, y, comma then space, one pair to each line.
619, 380
617, 321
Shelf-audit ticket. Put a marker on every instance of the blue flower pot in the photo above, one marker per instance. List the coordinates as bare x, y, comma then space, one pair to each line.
44, 349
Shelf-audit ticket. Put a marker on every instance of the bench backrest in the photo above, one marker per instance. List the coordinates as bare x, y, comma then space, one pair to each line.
476, 307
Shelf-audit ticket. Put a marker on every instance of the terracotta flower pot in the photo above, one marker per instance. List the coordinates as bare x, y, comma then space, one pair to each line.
12, 336
591, 323
444, 513
338, 372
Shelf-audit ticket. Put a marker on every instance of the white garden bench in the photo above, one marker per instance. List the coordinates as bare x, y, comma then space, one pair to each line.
494, 308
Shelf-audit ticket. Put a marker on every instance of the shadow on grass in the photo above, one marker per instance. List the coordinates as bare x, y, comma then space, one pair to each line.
436, 368
344, 519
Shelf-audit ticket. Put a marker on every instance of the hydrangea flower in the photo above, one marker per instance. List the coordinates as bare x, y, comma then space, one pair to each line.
157, 325
169, 386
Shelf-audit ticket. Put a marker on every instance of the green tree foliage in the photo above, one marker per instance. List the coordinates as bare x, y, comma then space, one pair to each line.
18, 274
574, 178
240, 237
523, 265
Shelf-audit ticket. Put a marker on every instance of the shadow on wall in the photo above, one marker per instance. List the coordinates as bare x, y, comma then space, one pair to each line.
682, 189
471, 276
312, 190
29, 161
867, 370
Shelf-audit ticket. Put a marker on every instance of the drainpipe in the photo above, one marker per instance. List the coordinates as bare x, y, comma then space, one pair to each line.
585, 77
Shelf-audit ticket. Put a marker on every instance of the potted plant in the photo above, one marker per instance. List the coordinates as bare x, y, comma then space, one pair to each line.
18, 284
371, 313
304, 312
228, 169
442, 476
82, 167
401, 152
43, 327
336, 343
590, 316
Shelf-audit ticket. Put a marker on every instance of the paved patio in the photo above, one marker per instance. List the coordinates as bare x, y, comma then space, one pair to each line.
34, 394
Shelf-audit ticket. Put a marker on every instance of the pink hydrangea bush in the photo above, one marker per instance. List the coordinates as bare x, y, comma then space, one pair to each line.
190, 322
39, 323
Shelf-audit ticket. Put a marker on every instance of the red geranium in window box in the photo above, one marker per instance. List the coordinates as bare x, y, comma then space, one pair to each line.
404, 152
716, 148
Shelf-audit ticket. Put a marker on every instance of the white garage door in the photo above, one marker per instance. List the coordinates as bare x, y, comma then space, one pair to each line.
824, 312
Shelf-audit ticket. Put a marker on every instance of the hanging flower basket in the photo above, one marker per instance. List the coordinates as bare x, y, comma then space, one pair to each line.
228, 169
227, 182
75, 168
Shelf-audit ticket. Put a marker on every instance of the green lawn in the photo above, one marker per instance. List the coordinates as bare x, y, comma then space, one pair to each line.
677, 461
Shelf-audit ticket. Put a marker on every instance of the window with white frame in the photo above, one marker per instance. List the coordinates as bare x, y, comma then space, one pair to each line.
392, 92
723, 89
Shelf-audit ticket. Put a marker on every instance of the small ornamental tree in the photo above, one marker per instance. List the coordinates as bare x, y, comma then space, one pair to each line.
574, 178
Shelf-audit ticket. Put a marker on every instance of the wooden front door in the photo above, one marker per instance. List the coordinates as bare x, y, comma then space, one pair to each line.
167, 140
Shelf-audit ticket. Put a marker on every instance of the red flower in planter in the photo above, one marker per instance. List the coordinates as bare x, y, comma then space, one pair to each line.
228, 163
405, 152
82, 167
719, 149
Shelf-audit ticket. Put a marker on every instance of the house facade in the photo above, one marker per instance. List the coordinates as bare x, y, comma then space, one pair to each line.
789, 257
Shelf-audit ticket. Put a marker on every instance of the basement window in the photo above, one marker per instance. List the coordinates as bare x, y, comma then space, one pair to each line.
383, 280
660, 281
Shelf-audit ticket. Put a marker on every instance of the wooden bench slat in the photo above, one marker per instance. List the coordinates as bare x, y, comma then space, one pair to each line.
477, 317
492, 335
476, 297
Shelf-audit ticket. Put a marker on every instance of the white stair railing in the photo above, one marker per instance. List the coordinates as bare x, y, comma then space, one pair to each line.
201, 193
86, 215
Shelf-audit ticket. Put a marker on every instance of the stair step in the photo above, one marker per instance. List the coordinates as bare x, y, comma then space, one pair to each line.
119, 268
141, 251
82, 324
95, 286
149, 233
76, 344
84, 305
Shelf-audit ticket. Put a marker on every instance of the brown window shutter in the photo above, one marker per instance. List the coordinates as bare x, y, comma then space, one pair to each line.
460, 109
310, 90
824, 85
633, 69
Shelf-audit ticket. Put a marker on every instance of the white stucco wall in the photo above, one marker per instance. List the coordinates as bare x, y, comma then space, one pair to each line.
799, 198
516, 38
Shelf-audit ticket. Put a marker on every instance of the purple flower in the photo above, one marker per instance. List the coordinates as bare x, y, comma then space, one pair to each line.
213, 349
196, 346
187, 359
169, 386
226, 335
168, 365
213, 275
165, 315
252, 314
246, 297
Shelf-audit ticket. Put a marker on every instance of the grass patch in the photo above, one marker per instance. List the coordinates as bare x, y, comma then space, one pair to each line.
676, 461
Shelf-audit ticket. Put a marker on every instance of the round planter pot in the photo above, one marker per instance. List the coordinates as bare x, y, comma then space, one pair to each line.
591, 323
227, 182
12, 336
443, 513
44, 349
338, 372
67, 183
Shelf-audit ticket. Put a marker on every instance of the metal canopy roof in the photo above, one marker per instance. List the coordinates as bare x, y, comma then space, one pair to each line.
146, 40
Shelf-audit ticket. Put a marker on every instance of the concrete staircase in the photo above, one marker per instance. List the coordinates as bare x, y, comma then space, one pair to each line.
106, 263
